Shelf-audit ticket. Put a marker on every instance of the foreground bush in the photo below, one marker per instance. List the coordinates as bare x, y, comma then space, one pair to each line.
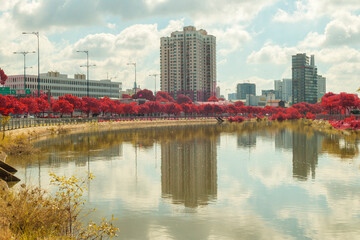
236, 119
30, 213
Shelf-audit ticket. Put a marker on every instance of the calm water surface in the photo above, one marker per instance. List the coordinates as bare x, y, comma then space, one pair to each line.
213, 182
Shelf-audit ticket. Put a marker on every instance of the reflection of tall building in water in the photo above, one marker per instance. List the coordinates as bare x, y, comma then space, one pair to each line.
284, 140
247, 140
305, 155
189, 171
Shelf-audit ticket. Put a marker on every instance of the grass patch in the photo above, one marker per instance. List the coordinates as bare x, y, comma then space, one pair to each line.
31, 213
17, 145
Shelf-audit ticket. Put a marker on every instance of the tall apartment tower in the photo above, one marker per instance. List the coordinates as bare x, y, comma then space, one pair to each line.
304, 79
188, 64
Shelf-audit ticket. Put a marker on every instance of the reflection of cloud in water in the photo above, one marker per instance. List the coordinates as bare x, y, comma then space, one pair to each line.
252, 194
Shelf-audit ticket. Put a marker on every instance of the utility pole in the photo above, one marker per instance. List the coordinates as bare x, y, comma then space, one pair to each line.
38, 80
87, 66
154, 75
135, 86
24, 53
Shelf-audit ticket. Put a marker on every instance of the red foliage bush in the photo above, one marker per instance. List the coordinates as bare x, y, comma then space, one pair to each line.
236, 119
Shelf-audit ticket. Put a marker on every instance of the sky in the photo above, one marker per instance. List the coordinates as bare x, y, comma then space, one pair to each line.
255, 39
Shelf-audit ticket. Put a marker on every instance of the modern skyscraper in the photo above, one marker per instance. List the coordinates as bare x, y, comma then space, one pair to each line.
321, 86
286, 90
188, 64
304, 79
278, 84
243, 89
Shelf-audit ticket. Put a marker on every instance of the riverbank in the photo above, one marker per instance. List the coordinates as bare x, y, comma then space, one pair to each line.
35, 133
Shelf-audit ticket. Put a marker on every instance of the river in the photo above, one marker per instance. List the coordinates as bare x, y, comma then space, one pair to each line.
248, 181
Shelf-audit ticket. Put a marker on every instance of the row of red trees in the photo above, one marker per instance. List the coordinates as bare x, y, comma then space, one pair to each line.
331, 103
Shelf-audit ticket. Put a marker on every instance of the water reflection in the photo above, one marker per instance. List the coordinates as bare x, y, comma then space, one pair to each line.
305, 155
188, 171
294, 183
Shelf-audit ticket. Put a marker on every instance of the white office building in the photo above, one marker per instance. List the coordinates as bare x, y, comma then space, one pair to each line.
60, 84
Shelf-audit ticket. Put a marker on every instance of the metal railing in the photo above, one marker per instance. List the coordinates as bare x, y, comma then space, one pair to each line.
17, 123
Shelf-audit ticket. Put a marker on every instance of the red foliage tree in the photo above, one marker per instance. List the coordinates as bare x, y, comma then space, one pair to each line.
239, 104
206, 109
172, 108
154, 107
213, 99
348, 102
218, 109
125, 96
3, 77
31, 105
129, 108
90, 105
43, 104
231, 109
6, 106
183, 99
221, 99
142, 109
62, 106
17, 106
163, 95
330, 102
146, 94
73, 100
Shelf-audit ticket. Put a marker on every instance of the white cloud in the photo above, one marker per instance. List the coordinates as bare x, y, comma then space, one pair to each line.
310, 10
111, 25
48, 14
341, 31
230, 39
271, 53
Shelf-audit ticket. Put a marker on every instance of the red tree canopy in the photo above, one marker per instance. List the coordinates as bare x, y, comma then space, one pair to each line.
6, 106
239, 104
172, 108
90, 105
31, 105
126, 96
75, 101
163, 95
213, 99
183, 99
62, 106
3, 77
145, 93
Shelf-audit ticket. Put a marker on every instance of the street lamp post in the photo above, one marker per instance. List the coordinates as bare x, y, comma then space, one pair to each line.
87, 66
38, 80
154, 75
134, 64
24, 53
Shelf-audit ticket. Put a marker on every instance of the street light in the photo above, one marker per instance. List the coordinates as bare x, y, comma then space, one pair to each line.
134, 64
154, 75
38, 80
87, 66
24, 53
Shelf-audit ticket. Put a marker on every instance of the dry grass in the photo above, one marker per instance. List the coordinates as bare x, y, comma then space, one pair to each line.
30, 214
17, 145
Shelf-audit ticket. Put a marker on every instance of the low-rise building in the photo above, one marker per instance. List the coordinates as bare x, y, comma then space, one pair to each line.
57, 84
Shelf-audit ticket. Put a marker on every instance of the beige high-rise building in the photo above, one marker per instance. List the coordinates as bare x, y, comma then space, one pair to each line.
188, 64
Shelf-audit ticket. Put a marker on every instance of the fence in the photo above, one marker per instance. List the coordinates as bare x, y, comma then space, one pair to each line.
16, 123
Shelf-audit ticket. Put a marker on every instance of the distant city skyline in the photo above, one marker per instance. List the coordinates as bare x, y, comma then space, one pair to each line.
255, 40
